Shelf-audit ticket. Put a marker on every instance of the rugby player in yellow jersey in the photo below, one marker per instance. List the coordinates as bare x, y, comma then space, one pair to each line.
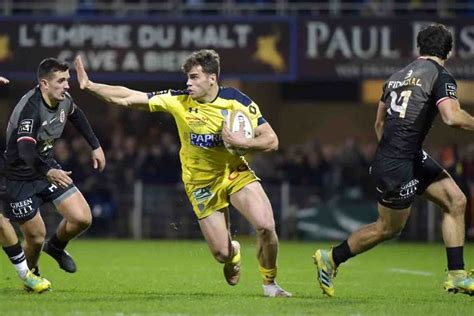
212, 176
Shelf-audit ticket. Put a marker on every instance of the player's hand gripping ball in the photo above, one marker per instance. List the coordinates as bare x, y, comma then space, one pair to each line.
236, 121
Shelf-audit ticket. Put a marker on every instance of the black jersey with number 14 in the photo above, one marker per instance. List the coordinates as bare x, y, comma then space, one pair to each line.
412, 96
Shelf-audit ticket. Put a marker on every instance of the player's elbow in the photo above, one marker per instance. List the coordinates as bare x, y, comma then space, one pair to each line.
450, 119
449, 122
378, 125
274, 143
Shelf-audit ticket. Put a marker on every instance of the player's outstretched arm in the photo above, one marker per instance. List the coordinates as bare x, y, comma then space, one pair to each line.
454, 116
380, 119
3, 80
111, 94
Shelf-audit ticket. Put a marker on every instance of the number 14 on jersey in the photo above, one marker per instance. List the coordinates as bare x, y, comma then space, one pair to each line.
395, 101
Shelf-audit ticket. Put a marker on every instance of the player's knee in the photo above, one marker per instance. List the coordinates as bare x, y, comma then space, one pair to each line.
458, 204
266, 228
85, 221
36, 239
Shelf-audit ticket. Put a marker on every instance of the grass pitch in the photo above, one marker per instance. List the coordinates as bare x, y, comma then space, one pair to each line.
117, 277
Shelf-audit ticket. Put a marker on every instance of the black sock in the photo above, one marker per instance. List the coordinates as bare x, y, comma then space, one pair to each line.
15, 253
59, 244
341, 253
36, 271
455, 258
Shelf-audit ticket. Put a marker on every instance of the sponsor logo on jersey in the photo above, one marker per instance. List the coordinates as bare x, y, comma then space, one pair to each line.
409, 189
25, 127
407, 82
451, 90
206, 140
196, 121
202, 194
22, 208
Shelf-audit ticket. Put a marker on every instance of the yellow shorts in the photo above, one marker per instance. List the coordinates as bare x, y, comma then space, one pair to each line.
209, 197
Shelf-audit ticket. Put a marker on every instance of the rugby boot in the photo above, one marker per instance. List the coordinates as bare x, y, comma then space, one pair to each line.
62, 257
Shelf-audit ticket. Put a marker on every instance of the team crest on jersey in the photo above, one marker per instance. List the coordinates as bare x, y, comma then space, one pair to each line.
451, 90
62, 116
25, 127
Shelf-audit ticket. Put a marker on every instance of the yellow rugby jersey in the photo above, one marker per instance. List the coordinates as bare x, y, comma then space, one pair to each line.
203, 154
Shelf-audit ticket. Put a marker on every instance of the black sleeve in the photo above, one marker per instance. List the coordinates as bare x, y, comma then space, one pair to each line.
28, 125
444, 87
382, 97
27, 152
80, 122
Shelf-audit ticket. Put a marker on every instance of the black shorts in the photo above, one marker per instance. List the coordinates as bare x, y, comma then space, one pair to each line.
23, 198
398, 180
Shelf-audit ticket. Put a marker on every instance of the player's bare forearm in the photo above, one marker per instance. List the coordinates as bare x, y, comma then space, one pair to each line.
453, 115
119, 95
110, 94
379, 130
263, 142
462, 120
380, 120
265, 139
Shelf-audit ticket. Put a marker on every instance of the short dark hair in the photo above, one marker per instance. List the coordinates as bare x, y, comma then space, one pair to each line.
208, 59
50, 65
435, 40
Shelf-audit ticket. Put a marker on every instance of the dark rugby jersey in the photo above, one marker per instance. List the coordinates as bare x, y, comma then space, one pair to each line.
411, 96
34, 121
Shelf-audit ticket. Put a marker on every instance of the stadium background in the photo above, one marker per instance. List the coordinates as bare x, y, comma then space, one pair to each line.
315, 69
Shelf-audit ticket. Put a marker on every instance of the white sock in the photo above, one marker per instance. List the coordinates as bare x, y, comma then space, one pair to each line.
22, 269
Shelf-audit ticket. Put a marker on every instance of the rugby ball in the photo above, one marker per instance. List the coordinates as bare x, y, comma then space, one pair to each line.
235, 120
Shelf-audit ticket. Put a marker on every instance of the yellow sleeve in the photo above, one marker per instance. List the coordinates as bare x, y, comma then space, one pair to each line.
161, 101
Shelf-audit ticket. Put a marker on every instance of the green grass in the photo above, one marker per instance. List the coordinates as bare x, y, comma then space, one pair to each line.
118, 277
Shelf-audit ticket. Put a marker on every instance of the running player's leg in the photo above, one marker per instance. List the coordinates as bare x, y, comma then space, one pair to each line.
77, 218
448, 196
215, 230
12, 247
252, 202
34, 233
396, 187
389, 224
